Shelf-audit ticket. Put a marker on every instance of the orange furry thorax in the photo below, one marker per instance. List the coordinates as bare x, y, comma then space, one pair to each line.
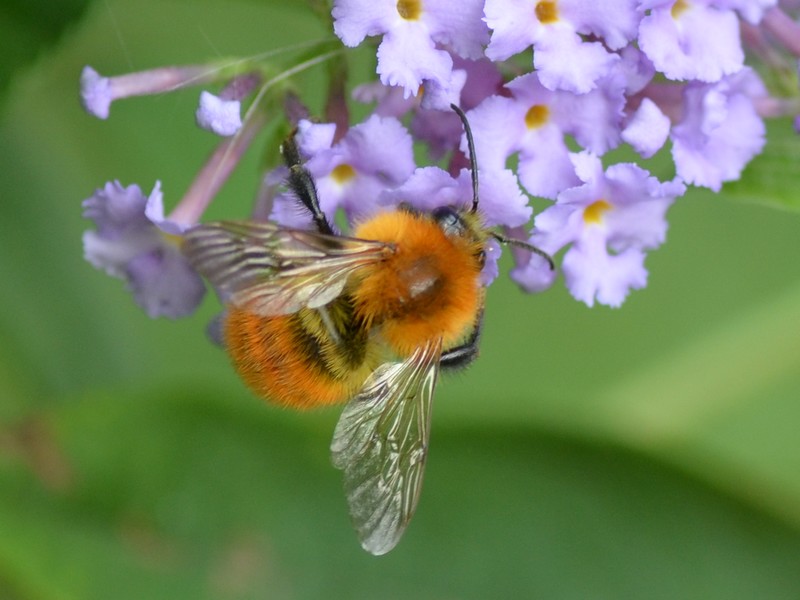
428, 288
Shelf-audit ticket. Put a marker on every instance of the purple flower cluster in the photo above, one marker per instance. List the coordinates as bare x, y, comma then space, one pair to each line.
550, 87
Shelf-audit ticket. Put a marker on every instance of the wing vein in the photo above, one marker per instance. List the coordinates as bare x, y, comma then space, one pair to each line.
381, 444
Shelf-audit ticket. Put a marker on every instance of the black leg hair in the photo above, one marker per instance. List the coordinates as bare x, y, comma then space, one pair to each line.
302, 184
461, 356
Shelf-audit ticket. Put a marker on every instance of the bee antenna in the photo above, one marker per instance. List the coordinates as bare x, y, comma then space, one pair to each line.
526, 246
473, 161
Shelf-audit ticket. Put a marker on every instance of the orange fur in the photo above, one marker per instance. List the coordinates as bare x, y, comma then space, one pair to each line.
271, 363
429, 288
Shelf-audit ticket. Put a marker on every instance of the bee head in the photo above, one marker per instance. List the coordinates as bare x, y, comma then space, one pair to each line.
456, 223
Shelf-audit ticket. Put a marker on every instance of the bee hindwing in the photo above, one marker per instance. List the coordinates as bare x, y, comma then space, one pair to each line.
381, 443
274, 270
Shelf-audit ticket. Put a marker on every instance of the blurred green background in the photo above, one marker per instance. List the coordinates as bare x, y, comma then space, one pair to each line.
646, 452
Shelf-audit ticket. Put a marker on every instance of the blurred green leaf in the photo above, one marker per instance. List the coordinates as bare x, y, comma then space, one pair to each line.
27, 27
192, 496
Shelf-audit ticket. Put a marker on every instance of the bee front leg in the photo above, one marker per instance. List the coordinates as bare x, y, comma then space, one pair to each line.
302, 184
464, 354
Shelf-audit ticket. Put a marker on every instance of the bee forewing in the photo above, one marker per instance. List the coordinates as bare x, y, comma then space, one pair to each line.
381, 443
273, 270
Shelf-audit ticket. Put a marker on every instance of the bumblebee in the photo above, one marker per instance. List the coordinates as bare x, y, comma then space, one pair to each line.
315, 318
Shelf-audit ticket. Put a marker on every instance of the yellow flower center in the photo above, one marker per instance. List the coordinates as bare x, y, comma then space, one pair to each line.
537, 115
593, 214
343, 173
172, 238
547, 11
679, 8
410, 10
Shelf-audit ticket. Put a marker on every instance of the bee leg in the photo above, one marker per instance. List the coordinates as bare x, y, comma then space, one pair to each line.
462, 355
302, 184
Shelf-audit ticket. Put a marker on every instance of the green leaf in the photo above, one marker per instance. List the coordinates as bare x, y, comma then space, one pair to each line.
189, 495
27, 27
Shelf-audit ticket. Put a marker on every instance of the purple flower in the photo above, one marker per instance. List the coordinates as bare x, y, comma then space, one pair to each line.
610, 220
504, 126
691, 40
438, 95
133, 241
433, 120
557, 29
491, 269
721, 130
351, 174
98, 92
222, 114
501, 201
218, 115
647, 129
534, 123
413, 31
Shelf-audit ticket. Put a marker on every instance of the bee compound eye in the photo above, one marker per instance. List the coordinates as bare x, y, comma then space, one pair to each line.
450, 221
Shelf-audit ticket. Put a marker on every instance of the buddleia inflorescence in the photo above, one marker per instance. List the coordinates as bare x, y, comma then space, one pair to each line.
550, 88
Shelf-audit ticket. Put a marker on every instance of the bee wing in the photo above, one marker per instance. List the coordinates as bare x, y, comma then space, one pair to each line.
381, 443
275, 270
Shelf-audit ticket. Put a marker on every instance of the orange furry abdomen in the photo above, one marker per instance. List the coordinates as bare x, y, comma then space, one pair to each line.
428, 288
269, 359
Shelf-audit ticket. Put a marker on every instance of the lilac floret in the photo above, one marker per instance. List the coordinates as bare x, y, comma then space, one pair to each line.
648, 129
163, 283
439, 95
218, 115
591, 273
721, 130
96, 95
491, 268
501, 201
535, 122
132, 242
413, 34
610, 221
564, 55
429, 188
694, 41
